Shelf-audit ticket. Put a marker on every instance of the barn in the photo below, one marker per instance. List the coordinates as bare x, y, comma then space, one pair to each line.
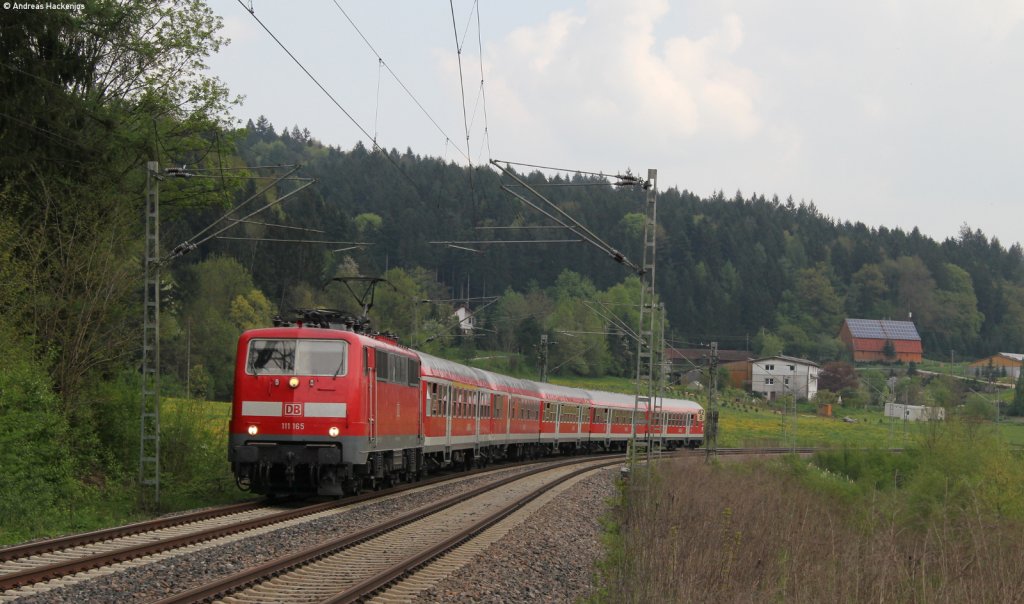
1004, 364
873, 340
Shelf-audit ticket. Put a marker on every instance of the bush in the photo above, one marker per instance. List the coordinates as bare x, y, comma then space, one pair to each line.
193, 454
36, 466
871, 469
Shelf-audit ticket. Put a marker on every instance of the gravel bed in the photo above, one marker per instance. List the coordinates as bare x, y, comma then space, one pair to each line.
166, 577
550, 558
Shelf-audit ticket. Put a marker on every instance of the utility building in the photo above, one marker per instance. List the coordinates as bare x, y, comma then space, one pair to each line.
914, 413
873, 340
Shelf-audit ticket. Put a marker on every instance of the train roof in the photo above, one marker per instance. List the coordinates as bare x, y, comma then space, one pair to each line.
626, 401
563, 393
437, 367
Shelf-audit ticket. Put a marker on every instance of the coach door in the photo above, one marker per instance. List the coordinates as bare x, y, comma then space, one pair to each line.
449, 408
370, 359
478, 410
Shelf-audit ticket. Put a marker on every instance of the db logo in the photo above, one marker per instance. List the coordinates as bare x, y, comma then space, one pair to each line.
293, 408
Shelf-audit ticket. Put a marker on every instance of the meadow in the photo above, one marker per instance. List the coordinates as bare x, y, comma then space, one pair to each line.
941, 521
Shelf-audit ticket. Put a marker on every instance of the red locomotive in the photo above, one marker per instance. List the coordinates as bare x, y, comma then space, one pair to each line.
321, 408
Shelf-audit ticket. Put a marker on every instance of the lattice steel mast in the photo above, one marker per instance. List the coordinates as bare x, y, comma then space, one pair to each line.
149, 428
647, 400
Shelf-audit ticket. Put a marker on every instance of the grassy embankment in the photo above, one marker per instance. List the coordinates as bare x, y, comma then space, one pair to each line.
941, 522
194, 473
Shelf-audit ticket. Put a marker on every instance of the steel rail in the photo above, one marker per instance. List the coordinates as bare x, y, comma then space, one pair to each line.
411, 564
61, 569
35, 548
64, 568
257, 574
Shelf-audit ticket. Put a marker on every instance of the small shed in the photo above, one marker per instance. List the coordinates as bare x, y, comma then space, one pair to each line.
683, 361
914, 413
881, 340
739, 373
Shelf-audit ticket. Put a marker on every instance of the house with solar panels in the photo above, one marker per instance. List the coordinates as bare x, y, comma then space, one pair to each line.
881, 340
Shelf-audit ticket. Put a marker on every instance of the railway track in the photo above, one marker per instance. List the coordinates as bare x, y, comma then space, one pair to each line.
33, 568
43, 561
64, 561
354, 566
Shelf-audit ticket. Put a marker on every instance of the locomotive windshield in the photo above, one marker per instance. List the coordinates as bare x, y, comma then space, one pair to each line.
297, 357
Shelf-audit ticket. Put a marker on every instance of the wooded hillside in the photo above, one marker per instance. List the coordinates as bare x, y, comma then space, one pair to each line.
739, 269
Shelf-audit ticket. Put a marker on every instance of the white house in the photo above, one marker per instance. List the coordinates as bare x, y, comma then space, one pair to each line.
781, 375
466, 319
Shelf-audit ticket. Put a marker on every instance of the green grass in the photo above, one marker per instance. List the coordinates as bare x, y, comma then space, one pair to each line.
1012, 432
753, 425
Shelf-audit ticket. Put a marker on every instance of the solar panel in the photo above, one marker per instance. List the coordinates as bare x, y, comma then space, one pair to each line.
882, 329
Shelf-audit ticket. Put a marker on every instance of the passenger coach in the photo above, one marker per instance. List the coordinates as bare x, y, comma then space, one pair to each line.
318, 408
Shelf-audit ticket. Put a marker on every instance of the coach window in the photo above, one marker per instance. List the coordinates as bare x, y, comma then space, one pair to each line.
414, 372
382, 366
401, 368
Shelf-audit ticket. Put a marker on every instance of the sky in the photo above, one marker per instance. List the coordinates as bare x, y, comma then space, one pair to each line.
895, 113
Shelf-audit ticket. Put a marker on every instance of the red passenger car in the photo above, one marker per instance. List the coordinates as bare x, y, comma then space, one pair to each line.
320, 408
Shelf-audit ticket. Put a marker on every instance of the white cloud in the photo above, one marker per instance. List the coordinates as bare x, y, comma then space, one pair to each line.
543, 44
606, 68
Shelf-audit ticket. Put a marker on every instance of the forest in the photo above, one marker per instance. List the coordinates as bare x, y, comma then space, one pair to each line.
750, 272
89, 98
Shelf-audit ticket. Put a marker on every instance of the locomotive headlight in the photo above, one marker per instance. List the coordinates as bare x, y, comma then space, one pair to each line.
253, 430
334, 431
294, 382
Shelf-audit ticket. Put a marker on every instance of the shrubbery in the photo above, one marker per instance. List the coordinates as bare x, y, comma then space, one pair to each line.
36, 467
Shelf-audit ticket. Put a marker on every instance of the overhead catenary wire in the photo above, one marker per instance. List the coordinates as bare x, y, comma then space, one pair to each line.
536, 226
465, 120
279, 226
382, 62
294, 169
448, 324
541, 167
614, 320
184, 248
278, 240
309, 74
489, 241
576, 227
483, 91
